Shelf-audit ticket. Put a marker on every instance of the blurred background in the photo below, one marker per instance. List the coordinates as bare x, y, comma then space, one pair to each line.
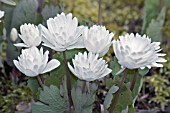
151, 17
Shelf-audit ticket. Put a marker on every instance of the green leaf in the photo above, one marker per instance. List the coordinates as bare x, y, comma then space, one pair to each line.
151, 12
49, 11
53, 102
33, 85
138, 83
11, 53
71, 53
25, 12
115, 66
52, 80
83, 102
109, 96
8, 2
8, 16
143, 72
125, 98
60, 71
154, 31
109, 83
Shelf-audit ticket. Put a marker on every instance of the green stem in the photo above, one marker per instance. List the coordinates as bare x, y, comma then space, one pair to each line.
115, 99
68, 82
134, 80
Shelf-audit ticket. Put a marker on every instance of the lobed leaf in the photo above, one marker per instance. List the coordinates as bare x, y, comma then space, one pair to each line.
51, 101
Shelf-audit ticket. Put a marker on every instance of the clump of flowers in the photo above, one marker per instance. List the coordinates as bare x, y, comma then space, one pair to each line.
63, 34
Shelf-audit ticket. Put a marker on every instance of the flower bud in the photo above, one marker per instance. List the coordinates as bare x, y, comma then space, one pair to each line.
13, 35
1, 14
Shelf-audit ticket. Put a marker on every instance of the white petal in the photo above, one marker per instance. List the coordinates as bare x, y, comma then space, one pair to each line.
161, 54
161, 60
16, 63
71, 69
27, 72
120, 71
157, 65
51, 65
21, 45
30, 73
107, 71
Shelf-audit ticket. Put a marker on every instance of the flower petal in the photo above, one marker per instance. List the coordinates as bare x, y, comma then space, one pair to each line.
51, 65
21, 45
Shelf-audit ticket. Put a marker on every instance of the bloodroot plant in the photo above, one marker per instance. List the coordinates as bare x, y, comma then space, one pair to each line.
73, 85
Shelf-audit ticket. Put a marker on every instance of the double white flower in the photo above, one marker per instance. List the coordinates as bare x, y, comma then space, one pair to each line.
88, 67
33, 62
30, 35
136, 51
63, 33
97, 39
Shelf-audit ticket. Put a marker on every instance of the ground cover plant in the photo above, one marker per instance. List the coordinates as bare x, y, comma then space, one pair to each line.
64, 62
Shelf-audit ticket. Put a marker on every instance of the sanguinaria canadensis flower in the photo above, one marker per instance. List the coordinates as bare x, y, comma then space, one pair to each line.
33, 62
89, 67
30, 35
63, 33
136, 51
97, 39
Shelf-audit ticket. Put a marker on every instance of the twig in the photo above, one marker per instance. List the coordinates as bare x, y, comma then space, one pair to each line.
115, 99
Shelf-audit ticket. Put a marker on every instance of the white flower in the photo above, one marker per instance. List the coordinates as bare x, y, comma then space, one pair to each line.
1, 14
33, 62
30, 35
13, 35
62, 33
136, 51
88, 67
97, 39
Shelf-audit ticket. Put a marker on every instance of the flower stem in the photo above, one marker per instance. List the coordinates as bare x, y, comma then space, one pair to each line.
160, 5
84, 86
100, 12
40, 81
68, 82
115, 99
134, 80
40, 5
